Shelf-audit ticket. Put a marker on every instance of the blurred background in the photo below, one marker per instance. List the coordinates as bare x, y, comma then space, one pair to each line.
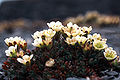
24, 17
50, 9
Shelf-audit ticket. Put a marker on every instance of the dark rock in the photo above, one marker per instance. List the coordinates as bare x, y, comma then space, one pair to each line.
75, 78
103, 72
53, 79
72, 79
111, 77
107, 78
112, 73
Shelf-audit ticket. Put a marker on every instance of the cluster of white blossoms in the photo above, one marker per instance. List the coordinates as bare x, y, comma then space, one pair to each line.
73, 30
43, 37
56, 26
81, 35
12, 41
14, 44
74, 34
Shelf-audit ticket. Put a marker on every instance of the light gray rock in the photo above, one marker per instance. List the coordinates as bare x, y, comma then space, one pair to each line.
76, 78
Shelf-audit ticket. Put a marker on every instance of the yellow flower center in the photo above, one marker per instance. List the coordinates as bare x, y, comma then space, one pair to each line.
98, 45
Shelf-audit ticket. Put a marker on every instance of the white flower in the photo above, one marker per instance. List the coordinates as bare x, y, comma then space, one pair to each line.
9, 41
76, 30
81, 39
56, 26
67, 31
70, 24
72, 30
89, 36
12, 51
50, 62
47, 41
51, 24
38, 42
13, 41
110, 54
23, 43
86, 29
71, 41
17, 39
81, 33
97, 36
21, 53
38, 34
49, 33
25, 59
104, 40
99, 45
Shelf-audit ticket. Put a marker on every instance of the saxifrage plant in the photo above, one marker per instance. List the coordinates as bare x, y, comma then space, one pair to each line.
61, 52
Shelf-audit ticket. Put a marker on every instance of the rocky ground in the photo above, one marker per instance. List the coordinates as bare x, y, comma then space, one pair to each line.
111, 33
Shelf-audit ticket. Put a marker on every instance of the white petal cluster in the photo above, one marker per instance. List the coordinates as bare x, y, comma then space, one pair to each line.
110, 54
12, 51
99, 45
47, 34
38, 42
72, 30
21, 53
14, 40
96, 36
71, 41
25, 59
37, 34
56, 26
47, 41
81, 39
86, 29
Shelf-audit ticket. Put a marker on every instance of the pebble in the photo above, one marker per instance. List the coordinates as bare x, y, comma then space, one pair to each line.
108, 77
112, 73
76, 78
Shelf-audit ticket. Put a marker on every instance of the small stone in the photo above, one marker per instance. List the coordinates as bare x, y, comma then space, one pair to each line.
102, 73
75, 78
111, 77
107, 77
72, 79
112, 73
53, 79
83, 79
